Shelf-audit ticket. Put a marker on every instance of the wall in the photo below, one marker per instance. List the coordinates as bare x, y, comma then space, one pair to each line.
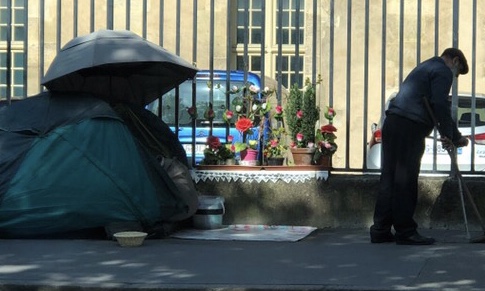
345, 201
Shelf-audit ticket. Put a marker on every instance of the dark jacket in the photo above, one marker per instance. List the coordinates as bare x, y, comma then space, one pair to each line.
431, 79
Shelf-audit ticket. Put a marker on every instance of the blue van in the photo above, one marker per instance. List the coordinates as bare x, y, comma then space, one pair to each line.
202, 93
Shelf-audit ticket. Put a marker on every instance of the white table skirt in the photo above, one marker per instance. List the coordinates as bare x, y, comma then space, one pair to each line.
258, 176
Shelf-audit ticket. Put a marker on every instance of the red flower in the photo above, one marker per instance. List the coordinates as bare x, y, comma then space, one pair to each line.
213, 142
244, 124
230, 138
279, 109
329, 128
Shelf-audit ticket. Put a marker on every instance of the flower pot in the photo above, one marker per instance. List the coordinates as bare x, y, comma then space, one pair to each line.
302, 156
325, 161
276, 161
249, 157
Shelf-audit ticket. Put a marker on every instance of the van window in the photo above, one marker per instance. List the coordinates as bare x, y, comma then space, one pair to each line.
202, 102
465, 111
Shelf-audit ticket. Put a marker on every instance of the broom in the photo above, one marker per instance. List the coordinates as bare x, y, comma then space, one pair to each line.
461, 183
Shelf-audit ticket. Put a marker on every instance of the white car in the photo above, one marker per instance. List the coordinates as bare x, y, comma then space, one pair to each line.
434, 149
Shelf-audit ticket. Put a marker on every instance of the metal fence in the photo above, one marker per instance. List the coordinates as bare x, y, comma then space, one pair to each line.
359, 50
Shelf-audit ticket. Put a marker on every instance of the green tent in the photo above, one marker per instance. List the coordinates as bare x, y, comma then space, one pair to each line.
70, 163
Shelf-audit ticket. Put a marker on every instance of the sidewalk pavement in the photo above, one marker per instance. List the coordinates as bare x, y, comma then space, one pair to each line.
328, 259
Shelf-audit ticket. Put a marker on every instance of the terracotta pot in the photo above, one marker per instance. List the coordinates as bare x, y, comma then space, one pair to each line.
302, 156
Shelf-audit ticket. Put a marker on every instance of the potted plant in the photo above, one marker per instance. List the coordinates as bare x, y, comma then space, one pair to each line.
217, 153
274, 151
325, 138
250, 111
302, 115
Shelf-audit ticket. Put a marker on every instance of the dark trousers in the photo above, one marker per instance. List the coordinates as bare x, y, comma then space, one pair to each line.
403, 143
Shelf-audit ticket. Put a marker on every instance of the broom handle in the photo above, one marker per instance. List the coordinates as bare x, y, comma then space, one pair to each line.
453, 157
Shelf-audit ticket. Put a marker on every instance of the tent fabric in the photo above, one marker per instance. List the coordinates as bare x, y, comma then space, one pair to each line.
70, 163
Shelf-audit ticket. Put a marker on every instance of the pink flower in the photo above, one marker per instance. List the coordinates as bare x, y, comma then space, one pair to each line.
274, 143
299, 136
229, 114
331, 112
292, 144
279, 109
299, 114
230, 138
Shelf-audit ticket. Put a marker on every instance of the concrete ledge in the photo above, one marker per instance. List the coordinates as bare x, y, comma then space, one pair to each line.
343, 201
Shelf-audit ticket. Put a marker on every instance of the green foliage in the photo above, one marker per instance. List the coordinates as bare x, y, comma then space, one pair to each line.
305, 102
294, 103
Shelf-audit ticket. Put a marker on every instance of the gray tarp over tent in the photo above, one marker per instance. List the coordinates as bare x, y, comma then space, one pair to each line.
70, 163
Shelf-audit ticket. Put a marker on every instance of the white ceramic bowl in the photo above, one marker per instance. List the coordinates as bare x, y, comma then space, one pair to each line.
130, 238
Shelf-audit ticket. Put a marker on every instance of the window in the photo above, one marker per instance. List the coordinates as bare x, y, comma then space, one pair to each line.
289, 69
289, 25
291, 33
255, 21
15, 62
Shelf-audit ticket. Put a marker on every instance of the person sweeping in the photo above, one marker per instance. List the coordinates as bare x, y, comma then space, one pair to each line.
405, 128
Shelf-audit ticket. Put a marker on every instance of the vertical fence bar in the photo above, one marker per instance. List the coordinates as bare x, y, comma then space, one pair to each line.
9, 52
331, 53
348, 81
177, 52
194, 87
211, 56
455, 36
128, 15
177, 28
297, 43
246, 40
436, 52
314, 42
26, 45
263, 43
383, 56
436, 26
228, 58
418, 33
144, 19
473, 64
366, 80
454, 90
160, 28
91, 19
279, 57
75, 18
59, 27
41, 41
109, 14
401, 41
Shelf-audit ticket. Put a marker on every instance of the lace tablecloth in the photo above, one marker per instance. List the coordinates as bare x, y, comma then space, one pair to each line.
258, 176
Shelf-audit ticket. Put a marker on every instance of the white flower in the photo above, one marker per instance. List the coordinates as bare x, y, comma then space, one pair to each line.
264, 105
234, 88
238, 108
253, 89
266, 89
255, 107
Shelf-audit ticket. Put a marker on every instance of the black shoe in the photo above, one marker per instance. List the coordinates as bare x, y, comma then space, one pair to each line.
378, 239
415, 239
